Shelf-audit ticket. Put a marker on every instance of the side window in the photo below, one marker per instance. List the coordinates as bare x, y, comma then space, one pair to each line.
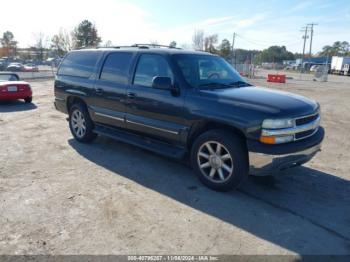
116, 68
79, 64
150, 66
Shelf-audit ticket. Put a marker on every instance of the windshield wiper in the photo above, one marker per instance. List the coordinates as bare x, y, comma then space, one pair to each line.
215, 85
239, 84
222, 85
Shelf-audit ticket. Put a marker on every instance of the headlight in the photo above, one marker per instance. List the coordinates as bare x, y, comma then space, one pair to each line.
277, 123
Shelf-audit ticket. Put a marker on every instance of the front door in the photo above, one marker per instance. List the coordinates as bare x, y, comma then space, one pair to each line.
158, 113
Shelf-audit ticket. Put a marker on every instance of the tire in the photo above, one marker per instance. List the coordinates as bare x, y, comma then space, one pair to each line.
232, 159
80, 123
28, 99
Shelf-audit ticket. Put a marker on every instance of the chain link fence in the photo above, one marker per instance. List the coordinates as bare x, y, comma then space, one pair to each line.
321, 73
245, 70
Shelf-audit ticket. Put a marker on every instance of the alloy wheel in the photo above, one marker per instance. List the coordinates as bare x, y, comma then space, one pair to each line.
78, 123
215, 162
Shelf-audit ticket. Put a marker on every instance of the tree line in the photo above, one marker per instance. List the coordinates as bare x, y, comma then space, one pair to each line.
85, 35
210, 44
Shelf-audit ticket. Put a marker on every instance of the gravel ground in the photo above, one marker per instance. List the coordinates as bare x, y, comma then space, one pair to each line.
61, 197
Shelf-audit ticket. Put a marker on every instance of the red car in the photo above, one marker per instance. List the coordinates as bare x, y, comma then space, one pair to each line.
31, 68
11, 88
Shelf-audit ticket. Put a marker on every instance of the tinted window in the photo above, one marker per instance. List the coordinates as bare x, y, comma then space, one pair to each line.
150, 66
80, 64
116, 67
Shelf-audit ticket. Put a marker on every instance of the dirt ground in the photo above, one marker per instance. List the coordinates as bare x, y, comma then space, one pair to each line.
61, 197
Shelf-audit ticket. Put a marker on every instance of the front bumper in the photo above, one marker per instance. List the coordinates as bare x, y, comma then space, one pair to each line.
269, 161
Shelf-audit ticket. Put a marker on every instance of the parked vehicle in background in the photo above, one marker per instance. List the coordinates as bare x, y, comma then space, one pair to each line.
3, 64
31, 68
291, 67
340, 65
11, 88
314, 68
187, 104
15, 67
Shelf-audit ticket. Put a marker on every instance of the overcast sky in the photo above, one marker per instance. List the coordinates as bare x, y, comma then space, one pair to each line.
258, 24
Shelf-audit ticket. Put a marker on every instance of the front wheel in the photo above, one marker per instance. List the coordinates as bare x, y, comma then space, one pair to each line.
80, 124
220, 159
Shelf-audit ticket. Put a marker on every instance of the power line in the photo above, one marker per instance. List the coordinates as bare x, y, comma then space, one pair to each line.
264, 44
252, 41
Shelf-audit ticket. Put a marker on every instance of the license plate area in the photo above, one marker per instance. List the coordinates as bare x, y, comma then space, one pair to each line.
12, 89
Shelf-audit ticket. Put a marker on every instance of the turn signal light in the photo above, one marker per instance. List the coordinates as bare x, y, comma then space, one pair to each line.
268, 140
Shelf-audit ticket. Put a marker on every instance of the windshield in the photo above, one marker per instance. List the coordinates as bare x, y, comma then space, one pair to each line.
8, 77
208, 71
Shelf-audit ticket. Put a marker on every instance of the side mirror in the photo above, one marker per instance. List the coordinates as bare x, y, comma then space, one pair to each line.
162, 82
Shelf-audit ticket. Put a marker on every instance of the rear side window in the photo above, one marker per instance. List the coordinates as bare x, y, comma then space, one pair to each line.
116, 68
79, 64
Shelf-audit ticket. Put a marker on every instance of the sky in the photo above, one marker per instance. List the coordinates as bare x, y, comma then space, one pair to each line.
258, 24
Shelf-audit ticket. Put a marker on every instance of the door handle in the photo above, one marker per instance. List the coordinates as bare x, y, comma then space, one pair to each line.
131, 95
98, 90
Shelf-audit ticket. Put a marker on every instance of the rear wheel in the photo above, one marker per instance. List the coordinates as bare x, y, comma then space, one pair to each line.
28, 99
80, 124
220, 159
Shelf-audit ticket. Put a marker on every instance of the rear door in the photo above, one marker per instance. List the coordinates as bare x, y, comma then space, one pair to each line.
157, 113
110, 89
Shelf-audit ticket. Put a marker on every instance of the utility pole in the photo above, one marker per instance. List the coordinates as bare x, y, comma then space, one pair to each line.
311, 36
233, 49
304, 29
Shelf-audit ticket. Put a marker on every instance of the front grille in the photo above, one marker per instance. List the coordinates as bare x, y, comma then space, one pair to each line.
306, 120
305, 134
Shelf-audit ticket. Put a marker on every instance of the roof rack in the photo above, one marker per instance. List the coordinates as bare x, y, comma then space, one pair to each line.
141, 46
154, 46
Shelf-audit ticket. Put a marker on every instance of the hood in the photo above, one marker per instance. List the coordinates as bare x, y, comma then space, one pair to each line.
272, 102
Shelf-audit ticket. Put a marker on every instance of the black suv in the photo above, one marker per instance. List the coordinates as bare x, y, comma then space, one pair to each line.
187, 104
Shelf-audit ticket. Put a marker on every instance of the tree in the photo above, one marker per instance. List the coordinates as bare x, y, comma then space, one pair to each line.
108, 43
173, 44
298, 55
243, 56
198, 40
274, 54
225, 49
337, 49
62, 42
8, 42
154, 42
209, 43
41, 42
85, 35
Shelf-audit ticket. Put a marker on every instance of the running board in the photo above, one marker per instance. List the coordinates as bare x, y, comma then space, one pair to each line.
153, 145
